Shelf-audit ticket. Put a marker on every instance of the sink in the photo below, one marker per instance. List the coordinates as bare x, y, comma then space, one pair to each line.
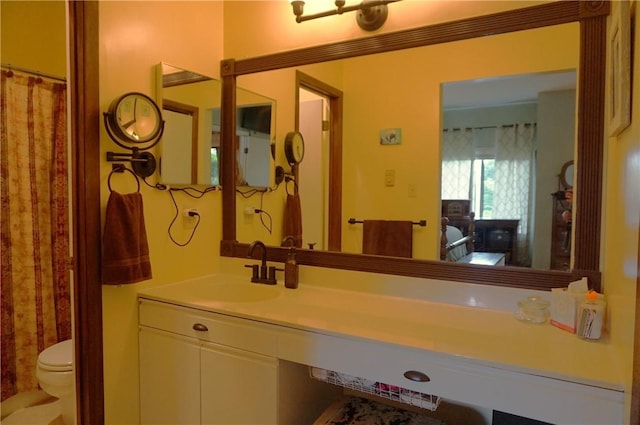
233, 292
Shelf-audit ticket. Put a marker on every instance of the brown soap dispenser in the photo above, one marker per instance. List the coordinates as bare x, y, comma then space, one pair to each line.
290, 265
291, 270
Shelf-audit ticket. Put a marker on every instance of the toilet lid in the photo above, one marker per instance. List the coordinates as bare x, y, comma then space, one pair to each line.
57, 357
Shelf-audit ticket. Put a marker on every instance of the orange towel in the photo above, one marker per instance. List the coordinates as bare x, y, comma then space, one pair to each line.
125, 251
387, 237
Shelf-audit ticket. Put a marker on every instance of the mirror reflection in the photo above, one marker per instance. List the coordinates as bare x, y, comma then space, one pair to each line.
190, 147
503, 141
399, 93
189, 150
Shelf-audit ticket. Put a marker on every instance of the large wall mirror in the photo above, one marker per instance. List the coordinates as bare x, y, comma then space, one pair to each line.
190, 152
410, 98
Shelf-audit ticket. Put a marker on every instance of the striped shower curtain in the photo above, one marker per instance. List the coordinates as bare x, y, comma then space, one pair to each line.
35, 297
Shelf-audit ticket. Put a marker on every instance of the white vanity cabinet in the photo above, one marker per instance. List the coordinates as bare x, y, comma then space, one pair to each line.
247, 363
198, 367
169, 378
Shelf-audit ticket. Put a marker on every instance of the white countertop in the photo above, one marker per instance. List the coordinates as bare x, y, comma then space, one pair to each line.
470, 334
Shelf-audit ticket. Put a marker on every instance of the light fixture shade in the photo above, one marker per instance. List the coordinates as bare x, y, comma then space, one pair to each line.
372, 14
298, 7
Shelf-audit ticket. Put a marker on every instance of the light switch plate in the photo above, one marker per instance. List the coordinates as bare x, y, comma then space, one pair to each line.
389, 178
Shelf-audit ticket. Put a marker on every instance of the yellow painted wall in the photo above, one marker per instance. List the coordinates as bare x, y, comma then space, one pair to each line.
134, 37
621, 209
34, 35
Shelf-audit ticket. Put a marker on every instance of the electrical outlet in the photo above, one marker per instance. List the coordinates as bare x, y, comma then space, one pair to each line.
190, 213
389, 178
250, 210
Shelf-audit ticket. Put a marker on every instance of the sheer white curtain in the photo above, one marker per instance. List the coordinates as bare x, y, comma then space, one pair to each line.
513, 181
457, 159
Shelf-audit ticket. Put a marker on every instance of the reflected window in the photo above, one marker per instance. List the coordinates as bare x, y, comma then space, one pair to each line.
215, 166
484, 183
493, 168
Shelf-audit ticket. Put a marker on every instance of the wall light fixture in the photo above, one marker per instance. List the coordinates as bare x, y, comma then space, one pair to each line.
371, 14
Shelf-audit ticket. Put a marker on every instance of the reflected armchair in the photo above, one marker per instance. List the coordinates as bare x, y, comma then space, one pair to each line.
454, 243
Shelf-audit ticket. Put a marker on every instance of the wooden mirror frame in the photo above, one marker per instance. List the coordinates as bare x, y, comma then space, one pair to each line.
592, 17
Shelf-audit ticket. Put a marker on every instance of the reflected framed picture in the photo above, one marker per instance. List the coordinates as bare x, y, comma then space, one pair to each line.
620, 67
391, 136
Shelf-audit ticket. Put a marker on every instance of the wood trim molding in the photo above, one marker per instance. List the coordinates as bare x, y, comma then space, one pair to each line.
635, 380
487, 275
228, 151
85, 139
591, 137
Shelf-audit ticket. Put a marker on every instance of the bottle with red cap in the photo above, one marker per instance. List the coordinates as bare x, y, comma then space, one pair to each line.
591, 316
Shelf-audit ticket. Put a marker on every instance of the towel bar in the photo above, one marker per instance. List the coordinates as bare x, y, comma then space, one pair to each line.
421, 223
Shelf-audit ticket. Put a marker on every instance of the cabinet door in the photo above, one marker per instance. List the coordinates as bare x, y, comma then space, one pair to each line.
169, 378
238, 387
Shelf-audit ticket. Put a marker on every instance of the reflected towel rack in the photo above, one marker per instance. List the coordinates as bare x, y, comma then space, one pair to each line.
120, 168
421, 223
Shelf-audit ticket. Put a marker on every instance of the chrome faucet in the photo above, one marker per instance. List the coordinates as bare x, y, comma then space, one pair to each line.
262, 273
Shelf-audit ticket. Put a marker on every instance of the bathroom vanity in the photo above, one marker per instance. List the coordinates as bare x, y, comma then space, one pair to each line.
219, 349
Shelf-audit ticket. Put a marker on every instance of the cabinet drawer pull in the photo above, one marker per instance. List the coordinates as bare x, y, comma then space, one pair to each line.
200, 327
416, 376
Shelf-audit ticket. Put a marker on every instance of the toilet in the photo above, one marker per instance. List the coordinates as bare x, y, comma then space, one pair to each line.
56, 378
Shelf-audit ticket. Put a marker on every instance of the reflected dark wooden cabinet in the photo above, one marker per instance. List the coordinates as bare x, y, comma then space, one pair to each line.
561, 236
498, 236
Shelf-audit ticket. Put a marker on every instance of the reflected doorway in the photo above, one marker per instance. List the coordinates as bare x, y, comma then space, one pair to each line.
313, 182
319, 120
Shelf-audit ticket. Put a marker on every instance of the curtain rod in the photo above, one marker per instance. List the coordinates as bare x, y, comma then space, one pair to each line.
527, 124
31, 71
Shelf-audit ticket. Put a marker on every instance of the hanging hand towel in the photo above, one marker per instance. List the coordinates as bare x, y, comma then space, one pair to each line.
125, 251
388, 237
293, 218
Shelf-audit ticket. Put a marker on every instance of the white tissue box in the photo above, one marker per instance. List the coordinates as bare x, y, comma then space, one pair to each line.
565, 303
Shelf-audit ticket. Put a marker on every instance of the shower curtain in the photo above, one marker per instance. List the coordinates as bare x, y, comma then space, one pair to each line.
35, 298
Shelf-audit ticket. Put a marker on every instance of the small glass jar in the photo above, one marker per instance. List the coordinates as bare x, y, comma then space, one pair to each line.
533, 309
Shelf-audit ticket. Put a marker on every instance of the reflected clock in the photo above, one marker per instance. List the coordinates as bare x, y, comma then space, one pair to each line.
294, 147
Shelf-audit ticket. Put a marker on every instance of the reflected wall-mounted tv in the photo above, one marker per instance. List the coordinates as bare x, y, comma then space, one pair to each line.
255, 118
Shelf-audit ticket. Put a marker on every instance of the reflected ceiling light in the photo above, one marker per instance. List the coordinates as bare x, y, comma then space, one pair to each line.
371, 15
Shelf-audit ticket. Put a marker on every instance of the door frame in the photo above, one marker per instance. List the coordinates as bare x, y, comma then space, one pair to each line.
84, 129
635, 380
335, 99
